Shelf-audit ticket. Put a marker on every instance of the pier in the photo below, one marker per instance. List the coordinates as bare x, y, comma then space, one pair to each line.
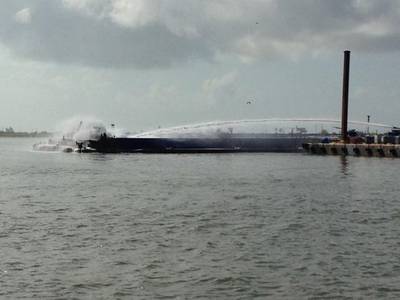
369, 150
351, 143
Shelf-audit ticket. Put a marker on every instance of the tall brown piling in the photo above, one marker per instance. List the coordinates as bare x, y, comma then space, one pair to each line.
345, 94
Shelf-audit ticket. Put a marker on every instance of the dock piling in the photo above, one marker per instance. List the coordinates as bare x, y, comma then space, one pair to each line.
345, 94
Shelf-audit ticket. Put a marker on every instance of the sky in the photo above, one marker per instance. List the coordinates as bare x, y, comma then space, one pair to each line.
142, 64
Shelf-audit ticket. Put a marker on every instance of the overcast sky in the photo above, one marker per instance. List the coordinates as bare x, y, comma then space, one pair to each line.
148, 63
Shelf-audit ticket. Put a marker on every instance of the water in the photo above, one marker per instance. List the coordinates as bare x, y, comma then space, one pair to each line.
210, 226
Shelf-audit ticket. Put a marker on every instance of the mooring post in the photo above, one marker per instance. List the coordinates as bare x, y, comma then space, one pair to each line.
345, 94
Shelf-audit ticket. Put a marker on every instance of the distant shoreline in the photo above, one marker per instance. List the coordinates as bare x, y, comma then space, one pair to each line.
24, 134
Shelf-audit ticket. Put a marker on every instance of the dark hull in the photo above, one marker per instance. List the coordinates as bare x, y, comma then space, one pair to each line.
200, 145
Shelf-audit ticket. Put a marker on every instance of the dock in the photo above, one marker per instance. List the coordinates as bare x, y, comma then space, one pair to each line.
368, 150
351, 142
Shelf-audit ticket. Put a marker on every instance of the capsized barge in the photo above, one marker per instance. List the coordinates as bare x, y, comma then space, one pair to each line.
229, 143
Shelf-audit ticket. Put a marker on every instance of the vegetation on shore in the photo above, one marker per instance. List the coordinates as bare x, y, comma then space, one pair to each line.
9, 132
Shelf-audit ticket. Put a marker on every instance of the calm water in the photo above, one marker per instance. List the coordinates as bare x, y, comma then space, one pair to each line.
228, 226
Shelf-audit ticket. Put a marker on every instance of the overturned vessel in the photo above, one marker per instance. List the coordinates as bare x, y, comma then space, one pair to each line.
255, 135
223, 143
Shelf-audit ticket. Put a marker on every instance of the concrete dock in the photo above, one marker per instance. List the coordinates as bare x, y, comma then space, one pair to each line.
368, 150
351, 142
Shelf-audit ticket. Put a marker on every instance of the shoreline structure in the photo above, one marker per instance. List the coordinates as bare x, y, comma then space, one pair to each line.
16, 134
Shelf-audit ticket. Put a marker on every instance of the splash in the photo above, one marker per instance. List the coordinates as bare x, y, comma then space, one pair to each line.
84, 128
75, 133
271, 125
80, 128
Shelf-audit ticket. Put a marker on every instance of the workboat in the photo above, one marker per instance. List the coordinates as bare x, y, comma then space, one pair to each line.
59, 145
63, 145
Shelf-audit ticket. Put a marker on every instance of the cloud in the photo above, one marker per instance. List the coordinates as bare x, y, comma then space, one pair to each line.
161, 94
160, 34
133, 14
214, 84
24, 16
221, 88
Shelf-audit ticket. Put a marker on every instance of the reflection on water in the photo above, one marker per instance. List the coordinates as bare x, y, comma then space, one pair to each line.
344, 162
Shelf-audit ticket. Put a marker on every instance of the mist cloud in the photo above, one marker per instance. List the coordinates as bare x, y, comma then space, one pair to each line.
160, 34
23, 16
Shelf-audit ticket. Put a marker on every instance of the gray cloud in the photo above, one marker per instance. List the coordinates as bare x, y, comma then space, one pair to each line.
157, 34
58, 34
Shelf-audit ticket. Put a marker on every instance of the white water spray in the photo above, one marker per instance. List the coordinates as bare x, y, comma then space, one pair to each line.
80, 128
271, 125
83, 128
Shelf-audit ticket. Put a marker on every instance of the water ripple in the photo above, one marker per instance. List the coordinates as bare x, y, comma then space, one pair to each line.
249, 226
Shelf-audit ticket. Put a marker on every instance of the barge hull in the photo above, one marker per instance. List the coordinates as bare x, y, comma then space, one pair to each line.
200, 145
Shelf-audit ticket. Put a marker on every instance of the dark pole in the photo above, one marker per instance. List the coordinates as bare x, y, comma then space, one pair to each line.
345, 95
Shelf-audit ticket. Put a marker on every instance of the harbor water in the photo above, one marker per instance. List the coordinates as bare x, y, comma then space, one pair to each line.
197, 226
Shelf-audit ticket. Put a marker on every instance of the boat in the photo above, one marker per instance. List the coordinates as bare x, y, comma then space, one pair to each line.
219, 144
62, 145
211, 137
